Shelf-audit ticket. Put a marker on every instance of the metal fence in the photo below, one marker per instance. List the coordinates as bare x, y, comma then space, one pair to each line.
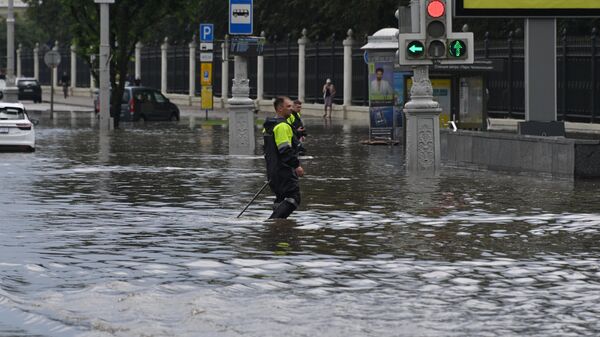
578, 85
151, 63
577, 77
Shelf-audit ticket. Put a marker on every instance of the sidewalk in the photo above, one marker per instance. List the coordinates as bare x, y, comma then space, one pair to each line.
84, 103
61, 105
81, 103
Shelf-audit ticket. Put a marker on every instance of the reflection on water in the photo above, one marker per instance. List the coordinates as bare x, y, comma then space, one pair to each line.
137, 235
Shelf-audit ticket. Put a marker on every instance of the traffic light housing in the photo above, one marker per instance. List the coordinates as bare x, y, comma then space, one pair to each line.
436, 42
435, 28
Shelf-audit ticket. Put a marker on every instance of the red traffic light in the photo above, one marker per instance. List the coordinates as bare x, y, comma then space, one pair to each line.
436, 8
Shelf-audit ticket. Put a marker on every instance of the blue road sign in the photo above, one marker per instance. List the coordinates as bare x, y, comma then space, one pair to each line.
240, 17
206, 32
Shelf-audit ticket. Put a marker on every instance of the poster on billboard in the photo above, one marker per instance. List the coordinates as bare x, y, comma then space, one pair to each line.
381, 101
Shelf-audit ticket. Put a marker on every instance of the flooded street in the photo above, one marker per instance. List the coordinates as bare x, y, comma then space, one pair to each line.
138, 236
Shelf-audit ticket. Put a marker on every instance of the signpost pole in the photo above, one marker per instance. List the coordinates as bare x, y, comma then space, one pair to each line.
52, 60
206, 59
105, 120
52, 94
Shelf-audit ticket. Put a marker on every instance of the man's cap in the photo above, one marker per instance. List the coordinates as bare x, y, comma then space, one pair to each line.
328, 81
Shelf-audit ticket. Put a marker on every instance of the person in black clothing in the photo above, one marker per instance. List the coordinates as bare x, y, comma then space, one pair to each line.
281, 156
295, 121
64, 80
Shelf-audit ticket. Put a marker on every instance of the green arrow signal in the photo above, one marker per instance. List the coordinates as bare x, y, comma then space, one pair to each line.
415, 49
457, 48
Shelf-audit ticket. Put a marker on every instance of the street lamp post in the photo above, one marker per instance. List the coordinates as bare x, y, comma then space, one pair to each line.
104, 95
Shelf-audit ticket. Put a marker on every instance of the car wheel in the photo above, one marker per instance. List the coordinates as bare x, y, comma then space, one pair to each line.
143, 118
31, 149
174, 117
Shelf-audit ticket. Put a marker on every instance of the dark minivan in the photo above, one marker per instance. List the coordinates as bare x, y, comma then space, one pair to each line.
142, 103
29, 89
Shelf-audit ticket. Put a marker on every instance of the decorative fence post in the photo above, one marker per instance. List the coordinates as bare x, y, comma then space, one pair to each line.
565, 74
510, 64
36, 61
486, 45
260, 74
287, 65
19, 60
302, 41
365, 75
192, 72
276, 89
332, 63
225, 70
593, 70
92, 79
73, 69
348, 42
163, 65
138, 60
318, 91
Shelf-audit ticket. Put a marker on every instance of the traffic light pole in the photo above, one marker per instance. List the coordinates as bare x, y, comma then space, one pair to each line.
422, 116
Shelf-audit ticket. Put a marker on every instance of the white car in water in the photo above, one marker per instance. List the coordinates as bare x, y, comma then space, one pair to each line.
16, 129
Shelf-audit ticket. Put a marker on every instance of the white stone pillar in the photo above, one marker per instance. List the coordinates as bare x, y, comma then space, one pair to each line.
55, 69
36, 61
241, 111
138, 60
260, 74
348, 42
73, 70
19, 60
163, 65
302, 42
92, 79
422, 126
225, 70
192, 74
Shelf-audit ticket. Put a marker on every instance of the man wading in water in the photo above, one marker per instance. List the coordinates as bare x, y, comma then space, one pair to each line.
281, 155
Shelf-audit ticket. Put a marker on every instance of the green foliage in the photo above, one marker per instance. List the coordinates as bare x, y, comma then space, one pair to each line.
150, 21
79, 21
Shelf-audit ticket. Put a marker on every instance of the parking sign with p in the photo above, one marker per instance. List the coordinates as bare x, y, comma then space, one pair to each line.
206, 32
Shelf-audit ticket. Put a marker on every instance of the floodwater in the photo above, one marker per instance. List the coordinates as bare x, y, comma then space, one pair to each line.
138, 236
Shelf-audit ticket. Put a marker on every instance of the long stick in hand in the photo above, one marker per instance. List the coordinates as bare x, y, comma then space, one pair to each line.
251, 201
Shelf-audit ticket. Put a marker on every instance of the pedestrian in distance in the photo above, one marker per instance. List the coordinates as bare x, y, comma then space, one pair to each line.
281, 156
328, 95
295, 121
64, 80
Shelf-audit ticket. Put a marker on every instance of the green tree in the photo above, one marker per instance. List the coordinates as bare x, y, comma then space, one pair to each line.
130, 21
